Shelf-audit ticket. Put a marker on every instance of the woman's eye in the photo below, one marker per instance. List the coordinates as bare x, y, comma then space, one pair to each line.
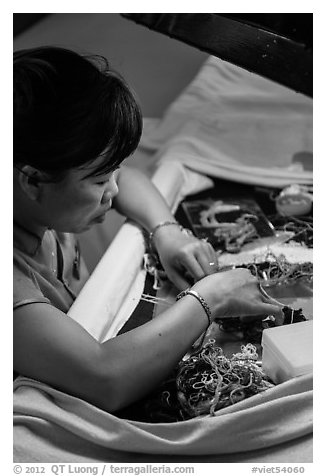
107, 177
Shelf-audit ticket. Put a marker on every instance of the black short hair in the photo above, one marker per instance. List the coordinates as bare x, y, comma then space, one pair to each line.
69, 109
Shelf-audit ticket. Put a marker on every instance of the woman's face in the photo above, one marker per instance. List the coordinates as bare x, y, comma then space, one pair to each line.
79, 201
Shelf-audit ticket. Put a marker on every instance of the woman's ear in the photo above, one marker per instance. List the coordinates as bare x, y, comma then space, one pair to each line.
31, 181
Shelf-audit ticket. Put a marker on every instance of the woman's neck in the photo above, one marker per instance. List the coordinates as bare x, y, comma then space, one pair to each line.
29, 226
30, 231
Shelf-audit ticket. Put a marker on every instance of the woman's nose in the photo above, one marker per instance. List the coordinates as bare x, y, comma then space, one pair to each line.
110, 192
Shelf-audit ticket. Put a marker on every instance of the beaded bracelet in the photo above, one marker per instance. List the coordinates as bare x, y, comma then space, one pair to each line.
200, 299
160, 225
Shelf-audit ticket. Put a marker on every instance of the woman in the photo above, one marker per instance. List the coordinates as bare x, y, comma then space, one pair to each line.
75, 121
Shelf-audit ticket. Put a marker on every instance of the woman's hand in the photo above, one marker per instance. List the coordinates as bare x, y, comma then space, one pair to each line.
185, 258
236, 293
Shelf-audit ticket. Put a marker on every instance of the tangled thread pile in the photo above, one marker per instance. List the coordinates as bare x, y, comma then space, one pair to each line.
301, 229
276, 270
235, 235
202, 384
209, 381
231, 235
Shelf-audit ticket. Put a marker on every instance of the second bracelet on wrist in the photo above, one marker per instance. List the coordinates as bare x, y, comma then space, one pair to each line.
200, 299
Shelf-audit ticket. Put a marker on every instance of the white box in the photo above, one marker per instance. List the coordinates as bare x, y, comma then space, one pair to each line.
287, 351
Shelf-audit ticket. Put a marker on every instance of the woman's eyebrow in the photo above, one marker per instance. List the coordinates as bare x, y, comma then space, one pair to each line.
96, 176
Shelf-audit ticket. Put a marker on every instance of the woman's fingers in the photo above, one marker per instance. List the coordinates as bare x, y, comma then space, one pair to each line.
181, 281
262, 311
207, 263
211, 262
239, 291
192, 266
200, 261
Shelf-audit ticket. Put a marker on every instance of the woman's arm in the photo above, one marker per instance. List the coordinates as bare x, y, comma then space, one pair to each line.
139, 199
185, 258
51, 347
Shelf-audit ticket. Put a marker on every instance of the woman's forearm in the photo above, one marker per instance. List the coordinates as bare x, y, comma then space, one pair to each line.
140, 359
139, 199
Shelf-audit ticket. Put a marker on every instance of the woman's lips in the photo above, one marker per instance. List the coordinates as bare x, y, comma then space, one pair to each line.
100, 218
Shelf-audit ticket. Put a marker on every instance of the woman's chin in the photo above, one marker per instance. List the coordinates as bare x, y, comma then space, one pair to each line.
98, 219
85, 226
82, 227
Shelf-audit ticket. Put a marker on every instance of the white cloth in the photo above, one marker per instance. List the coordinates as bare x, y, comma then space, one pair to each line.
235, 125
51, 426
